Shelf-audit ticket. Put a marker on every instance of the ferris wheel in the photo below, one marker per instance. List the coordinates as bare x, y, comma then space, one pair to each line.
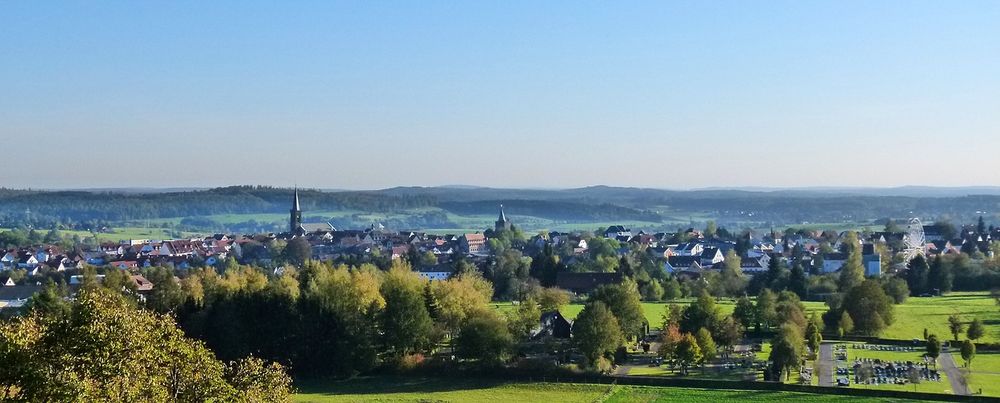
914, 239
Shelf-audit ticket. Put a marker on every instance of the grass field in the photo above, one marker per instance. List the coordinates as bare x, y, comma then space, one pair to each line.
932, 313
467, 390
984, 373
911, 317
127, 233
463, 223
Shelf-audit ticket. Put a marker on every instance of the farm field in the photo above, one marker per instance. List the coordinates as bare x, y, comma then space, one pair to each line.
468, 390
127, 233
463, 223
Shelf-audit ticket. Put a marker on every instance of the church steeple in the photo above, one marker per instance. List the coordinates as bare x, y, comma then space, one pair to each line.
502, 222
295, 214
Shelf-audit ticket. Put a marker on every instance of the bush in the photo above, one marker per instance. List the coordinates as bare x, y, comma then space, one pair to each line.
409, 362
603, 366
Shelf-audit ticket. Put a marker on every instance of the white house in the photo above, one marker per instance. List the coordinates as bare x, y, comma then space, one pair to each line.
435, 273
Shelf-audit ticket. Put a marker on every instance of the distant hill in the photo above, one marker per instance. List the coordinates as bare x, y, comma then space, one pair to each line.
431, 205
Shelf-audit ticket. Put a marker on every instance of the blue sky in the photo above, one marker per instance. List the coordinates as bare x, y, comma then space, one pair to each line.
500, 93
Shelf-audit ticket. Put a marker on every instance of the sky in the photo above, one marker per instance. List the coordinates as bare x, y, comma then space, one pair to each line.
375, 94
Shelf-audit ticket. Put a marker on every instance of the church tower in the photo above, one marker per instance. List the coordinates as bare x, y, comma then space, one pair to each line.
502, 222
295, 214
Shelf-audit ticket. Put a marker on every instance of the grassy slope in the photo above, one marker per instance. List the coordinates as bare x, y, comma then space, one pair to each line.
465, 390
932, 313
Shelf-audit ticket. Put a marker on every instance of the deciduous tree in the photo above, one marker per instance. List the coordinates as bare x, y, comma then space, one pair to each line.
596, 332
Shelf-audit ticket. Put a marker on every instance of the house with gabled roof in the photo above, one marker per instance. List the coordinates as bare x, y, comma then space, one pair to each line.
473, 244
683, 263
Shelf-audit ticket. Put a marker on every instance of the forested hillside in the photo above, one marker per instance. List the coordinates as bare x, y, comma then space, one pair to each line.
260, 207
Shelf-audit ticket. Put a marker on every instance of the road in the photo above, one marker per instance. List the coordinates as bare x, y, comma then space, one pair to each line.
826, 365
955, 376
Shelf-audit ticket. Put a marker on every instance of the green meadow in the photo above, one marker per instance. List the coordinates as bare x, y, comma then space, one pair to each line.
392, 389
918, 313
910, 320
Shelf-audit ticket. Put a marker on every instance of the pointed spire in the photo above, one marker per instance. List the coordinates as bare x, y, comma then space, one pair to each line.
503, 217
295, 206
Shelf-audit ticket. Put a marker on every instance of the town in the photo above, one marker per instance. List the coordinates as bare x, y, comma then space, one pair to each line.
518, 202
792, 286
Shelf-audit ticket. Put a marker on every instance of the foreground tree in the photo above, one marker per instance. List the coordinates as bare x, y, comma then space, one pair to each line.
852, 273
846, 324
706, 344
625, 303
744, 312
976, 330
669, 339
787, 349
955, 326
813, 336
968, 352
766, 313
524, 319
485, 337
702, 313
297, 251
917, 272
105, 349
597, 334
933, 347
869, 307
728, 334
687, 352
406, 324
551, 299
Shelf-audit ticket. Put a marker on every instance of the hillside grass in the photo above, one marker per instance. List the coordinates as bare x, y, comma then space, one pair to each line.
932, 313
393, 389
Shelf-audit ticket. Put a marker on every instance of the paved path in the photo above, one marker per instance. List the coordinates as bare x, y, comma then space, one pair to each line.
955, 376
826, 364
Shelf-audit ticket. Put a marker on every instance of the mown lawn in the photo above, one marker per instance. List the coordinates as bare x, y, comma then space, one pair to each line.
932, 313
984, 373
632, 394
391, 389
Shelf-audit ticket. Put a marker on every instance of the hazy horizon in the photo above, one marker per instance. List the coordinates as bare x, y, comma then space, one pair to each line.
361, 95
